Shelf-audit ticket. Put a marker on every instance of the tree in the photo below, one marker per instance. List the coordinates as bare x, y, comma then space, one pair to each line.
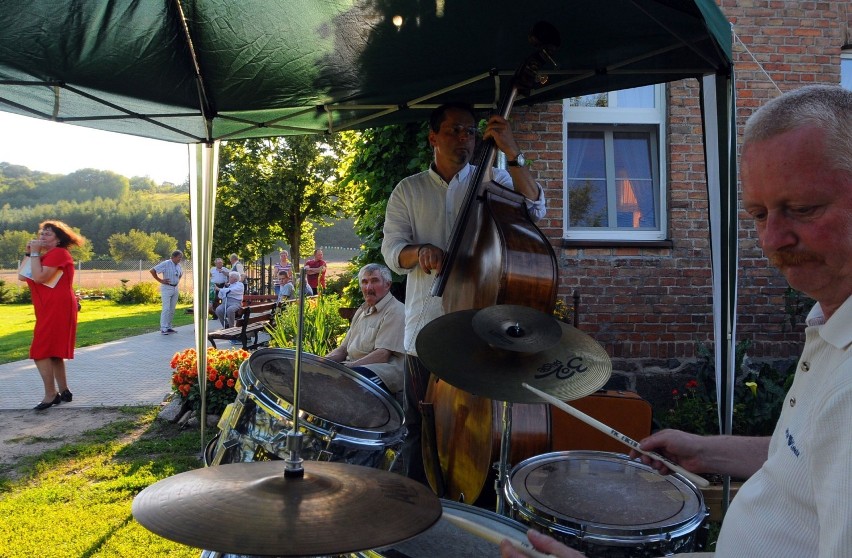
275, 188
164, 244
376, 160
13, 244
135, 245
82, 253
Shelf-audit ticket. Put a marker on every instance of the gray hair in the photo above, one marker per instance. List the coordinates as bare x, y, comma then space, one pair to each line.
827, 107
373, 268
233, 256
234, 275
219, 260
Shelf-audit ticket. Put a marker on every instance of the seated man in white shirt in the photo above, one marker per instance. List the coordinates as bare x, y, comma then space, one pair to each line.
373, 345
231, 296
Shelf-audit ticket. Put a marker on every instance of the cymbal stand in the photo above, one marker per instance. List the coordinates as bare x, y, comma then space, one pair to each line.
293, 461
503, 465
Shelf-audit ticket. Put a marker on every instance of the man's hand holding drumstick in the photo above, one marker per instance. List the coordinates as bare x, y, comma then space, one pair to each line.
631, 443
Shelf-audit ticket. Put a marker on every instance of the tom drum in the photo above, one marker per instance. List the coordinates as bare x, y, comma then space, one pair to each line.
343, 416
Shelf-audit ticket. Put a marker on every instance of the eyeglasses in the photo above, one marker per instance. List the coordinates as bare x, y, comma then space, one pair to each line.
459, 130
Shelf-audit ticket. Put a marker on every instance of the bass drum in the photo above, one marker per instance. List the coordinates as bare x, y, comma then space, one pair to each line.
606, 505
343, 416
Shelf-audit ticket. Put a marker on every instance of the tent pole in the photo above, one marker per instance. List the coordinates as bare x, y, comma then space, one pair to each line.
204, 164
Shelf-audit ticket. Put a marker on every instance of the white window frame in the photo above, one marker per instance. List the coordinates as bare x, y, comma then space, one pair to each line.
610, 118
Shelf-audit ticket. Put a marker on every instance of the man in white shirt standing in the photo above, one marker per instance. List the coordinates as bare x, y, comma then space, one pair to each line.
419, 218
219, 273
171, 272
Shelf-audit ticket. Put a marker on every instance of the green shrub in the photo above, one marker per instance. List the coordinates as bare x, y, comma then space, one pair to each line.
758, 397
142, 293
5, 293
323, 325
21, 295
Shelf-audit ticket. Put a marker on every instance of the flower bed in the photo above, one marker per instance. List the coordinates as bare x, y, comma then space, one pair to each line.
223, 369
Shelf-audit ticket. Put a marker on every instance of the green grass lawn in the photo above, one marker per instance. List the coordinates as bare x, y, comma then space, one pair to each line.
99, 321
76, 501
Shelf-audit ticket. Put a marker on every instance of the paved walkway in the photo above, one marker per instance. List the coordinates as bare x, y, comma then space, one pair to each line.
131, 371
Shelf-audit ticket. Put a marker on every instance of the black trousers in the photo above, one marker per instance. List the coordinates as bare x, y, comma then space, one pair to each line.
416, 382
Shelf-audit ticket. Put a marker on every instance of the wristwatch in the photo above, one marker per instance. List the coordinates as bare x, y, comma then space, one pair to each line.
519, 161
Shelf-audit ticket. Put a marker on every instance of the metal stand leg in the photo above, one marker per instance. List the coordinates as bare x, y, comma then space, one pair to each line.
503, 464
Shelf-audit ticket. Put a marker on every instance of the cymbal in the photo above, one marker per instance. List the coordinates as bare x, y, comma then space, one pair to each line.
516, 328
251, 508
452, 348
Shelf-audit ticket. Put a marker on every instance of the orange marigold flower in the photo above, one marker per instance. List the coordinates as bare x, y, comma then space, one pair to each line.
231, 383
219, 384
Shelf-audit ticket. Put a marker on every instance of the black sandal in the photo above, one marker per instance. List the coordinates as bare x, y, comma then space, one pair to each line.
42, 406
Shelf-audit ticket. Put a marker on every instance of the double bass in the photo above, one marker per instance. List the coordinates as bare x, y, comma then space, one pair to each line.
496, 255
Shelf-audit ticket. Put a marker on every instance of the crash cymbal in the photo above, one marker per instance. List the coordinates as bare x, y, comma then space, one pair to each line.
251, 508
516, 328
453, 350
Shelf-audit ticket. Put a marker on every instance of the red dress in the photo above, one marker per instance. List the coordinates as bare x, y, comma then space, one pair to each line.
55, 309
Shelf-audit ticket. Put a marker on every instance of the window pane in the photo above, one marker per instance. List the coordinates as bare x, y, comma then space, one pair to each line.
586, 156
594, 100
587, 193
634, 186
846, 70
638, 97
587, 203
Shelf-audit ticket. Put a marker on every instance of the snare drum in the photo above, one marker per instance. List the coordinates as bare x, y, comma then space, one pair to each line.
446, 539
343, 417
605, 504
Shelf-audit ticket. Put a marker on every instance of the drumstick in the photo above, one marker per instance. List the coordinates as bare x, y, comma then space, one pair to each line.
613, 433
490, 535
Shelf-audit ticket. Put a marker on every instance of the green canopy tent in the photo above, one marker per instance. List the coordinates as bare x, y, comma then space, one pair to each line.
197, 72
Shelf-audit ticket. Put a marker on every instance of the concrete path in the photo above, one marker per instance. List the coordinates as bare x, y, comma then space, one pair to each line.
130, 371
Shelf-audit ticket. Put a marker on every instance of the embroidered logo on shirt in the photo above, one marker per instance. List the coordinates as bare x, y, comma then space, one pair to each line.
791, 442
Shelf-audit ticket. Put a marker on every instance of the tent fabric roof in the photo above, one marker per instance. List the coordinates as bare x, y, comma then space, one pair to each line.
193, 71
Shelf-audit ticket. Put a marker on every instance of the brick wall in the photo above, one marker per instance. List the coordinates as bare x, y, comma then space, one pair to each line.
650, 307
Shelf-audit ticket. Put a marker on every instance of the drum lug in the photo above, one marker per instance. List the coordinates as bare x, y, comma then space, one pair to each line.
326, 454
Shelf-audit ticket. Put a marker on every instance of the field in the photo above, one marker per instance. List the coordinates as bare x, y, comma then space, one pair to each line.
96, 279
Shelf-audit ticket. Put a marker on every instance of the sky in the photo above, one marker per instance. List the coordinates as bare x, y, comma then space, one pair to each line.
41, 145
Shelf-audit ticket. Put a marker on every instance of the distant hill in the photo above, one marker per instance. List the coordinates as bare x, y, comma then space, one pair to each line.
341, 234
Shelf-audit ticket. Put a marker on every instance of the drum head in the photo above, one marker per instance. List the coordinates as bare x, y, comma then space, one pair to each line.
327, 390
603, 494
446, 539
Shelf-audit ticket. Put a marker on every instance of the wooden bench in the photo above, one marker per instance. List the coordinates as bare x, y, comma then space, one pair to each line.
248, 300
250, 323
251, 300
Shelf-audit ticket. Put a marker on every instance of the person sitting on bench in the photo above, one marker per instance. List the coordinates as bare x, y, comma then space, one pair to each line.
231, 296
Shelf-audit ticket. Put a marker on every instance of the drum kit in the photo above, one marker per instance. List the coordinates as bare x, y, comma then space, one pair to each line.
259, 497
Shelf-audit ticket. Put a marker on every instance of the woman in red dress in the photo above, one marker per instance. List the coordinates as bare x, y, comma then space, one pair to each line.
50, 280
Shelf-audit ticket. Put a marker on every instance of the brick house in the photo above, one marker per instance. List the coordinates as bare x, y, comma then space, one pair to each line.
636, 247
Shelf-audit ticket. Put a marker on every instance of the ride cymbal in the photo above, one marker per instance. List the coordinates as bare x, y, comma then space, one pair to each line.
453, 349
251, 508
